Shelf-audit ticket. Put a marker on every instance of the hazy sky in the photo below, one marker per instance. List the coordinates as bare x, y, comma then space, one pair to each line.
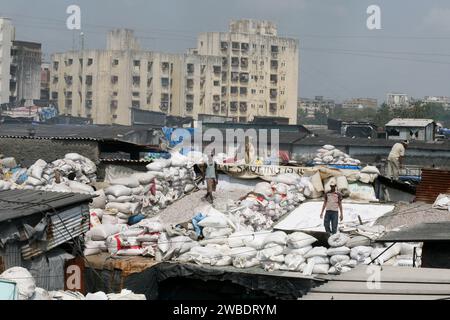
339, 57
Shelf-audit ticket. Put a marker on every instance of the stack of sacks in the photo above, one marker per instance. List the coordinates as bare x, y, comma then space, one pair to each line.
271, 256
41, 175
13, 176
124, 198
369, 174
270, 201
330, 155
96, 238
298, 245
173, 178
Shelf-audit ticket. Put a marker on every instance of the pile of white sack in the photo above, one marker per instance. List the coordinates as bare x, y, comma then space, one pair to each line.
328, 154
270, 201
227, 243
27, 290
442, 202
41, 175
174, 178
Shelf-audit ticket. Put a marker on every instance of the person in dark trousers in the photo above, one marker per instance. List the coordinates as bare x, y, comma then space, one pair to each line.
210, 174
332, 204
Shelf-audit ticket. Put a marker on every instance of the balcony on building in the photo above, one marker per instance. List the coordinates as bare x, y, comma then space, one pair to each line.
88, 104
235, 76
244, 47
165, 67
150, 67
136, 66
114, 79
224, 76
273, 93
235, 46
233, 106
89, 80
244, 63
234, 91
224, 91
235, 62
165, 83
190, 69
69, 80
223, 106
216, 107
216, 98
244, 77
189, 97
90, 62
243, 106
136, 81
273, 107
189, 106
274, 64
68, 103
115, 62
224, 62
217, 70
243, 91
136, 104
68, 94
223, 45
190, 84
273, 79
89, 95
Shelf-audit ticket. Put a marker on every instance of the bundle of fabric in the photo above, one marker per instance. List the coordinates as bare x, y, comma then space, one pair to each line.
329, 154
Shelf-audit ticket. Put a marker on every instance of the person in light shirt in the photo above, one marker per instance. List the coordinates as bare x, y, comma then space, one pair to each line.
332, 204
395, 159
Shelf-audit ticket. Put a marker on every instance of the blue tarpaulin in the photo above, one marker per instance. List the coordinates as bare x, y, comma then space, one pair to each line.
175, 140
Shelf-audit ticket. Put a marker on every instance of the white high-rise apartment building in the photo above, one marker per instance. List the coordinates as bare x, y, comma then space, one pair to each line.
257, 75
260, 70
6, 41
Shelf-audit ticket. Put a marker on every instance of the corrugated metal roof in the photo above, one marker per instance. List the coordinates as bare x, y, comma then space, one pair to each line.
395, 283
433, 183
63, 226
21, 203
437, 231
398, 122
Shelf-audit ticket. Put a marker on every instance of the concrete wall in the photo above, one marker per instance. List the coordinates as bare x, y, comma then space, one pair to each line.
6, 38
28, 151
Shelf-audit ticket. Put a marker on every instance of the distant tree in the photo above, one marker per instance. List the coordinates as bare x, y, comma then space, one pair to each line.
383, 115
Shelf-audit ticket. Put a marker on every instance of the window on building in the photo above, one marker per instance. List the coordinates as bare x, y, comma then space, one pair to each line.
89, 80
261, 63
89, 95
189, 106
137, 63
217, 70
261, 91
114, 104
55, 95
235, 46
149, 82
136, 81
283, 78
216, 83
55, 65
69, 62
115, 94
254, 46
88, 104
164, 82
253, 91
115, 62
190, 68
90, 61
114, 79
234, 90
235, 61
136, 104
224, 91
224, 45
55, 79
190, 83
243, 91
136, 94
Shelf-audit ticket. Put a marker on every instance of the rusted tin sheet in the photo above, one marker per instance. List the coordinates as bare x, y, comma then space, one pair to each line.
433, 183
